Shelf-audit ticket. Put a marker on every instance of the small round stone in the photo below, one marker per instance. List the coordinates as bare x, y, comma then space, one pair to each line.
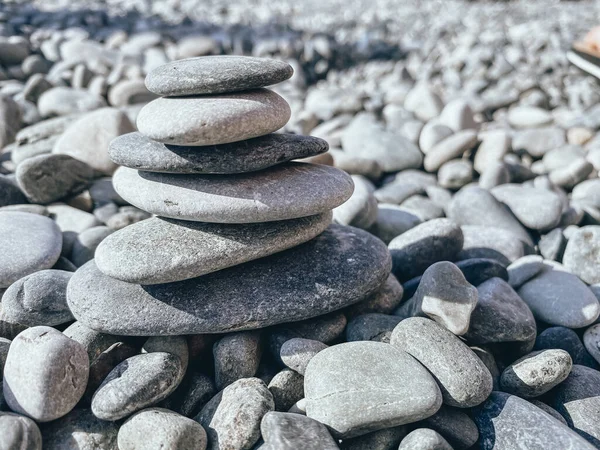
19, 432
216, 74
297, 353
237, 356
424, 439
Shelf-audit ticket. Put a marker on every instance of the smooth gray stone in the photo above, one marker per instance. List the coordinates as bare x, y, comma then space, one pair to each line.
237, 356
385, 439
588, 191
127, 215
358, 387
216, 74
582, 252
492, 243
62, 101
318, 268
93, 341
19, 432
423, 101
287, 388
443, 295
423, 207
214, 119
160, 250
71, 222
10, 193
286, 431
21, 152
137, 383
494, 145
415, 250
528, 117
536, 373
524, 269
80, 429
571, 175
500, 315
455, 174
392, 221
356, 165
10, 120
506, 422
452, 147
129, 92
562, 156
140, 152
454, 425
365, 137
45, 374
287, 191
397, 191
432, 133
45, 129
577, 399
247, 398
26, 207
424, 439
160, 429
39, 299
383, 301
538, 141
297, 352
48, 178
538, 209
32, 242
463, 378
360, 210
560, 298
476, 206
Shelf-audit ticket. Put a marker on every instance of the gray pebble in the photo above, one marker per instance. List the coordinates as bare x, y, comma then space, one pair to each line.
296, 353
286, 431
582, 254
424, 439
371, 327
19, 432
287, 388
237, 356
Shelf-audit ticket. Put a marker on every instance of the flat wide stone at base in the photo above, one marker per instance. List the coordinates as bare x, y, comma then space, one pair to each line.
140, 152
341, 266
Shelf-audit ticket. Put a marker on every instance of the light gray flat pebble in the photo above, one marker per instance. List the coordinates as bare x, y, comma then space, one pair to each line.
450, 148
297, 353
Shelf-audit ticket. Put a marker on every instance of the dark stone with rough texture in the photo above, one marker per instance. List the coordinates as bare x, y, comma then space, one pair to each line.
386, 439
384, 301
39, 299
287, 431
455, 425
216, 74
371, 327
237, 356
479, 270
507, 422
140, 152
340, 267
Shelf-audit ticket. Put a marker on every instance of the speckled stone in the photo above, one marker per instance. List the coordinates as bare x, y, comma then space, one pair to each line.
216, 74
287, 387
463, 378
33, 243
236, 356
39, 299
341, 266
138, 382
19, 432
536, 373
214, 119
286, 431
506, 422
582, 254
358, 387
247, 398
286, 191
161, 429
424, 439
45, 374
160, 250
140, 152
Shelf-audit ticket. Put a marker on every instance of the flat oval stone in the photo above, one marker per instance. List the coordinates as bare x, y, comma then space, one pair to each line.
160, 250
215, 119
31, 243
287, 191
216, 74
140, 152
340, 267
358, 387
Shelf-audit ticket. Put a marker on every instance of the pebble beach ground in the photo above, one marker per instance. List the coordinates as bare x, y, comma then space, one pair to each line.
384, 234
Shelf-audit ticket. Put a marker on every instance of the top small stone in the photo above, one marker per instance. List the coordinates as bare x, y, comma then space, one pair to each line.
216, 75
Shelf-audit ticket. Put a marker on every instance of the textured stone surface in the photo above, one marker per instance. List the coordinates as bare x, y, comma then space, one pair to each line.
232, 418
358, 387
415, 250
299, 283
136, 383
283, 192
297, 353
161, 429
165, 250
34, 244
285, 431
19, 432
216, 74
506, 422
39, 299
45, 374
371, 327
424, 439
567, 340
463, 378
582, 254
140, 152
287, 387
536, 373
560, 298
492, 243
237, 356
214, 119
538, 209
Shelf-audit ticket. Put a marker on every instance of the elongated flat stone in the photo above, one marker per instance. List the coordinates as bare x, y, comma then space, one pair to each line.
214, 119
287, 191
216, 74
341, 266
160, 250
140, 152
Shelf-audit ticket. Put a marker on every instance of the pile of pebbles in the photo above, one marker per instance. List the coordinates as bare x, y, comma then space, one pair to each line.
172, 277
